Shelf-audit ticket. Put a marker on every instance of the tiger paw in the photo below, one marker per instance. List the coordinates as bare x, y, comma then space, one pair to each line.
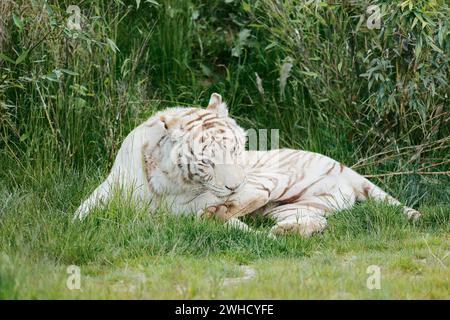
306, 226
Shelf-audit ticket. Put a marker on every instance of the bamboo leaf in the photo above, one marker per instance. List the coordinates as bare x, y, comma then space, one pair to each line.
310, 74
24, 137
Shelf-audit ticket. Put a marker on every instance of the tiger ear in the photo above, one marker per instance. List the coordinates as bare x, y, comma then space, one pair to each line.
215, 104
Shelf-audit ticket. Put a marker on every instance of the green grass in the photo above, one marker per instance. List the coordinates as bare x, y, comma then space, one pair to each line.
124, 252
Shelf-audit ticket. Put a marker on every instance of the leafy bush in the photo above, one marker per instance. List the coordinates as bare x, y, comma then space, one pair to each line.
313, 69
65, 94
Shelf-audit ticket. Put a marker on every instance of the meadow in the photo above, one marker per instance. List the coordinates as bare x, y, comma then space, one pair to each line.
332, 77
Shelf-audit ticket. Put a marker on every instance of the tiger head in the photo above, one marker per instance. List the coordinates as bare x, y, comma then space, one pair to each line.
207, 147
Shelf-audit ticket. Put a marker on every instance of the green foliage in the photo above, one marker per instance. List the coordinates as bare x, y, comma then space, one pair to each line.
76, 92
65, 94
313, 69
39, 240
374, 98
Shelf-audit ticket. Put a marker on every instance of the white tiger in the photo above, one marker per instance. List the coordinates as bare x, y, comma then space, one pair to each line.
194, 160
